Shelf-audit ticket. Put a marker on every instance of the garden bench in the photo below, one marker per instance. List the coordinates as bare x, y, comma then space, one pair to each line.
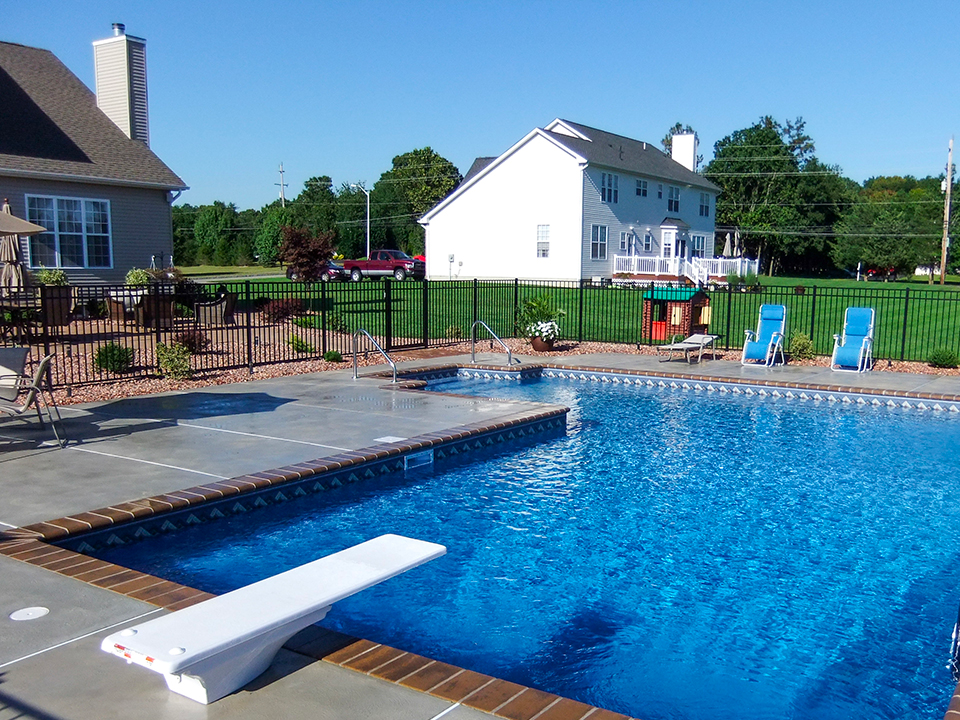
210, 649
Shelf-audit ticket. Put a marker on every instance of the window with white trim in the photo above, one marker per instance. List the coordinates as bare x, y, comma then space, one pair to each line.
704, 204
623, 240
598, 242
673, 199
660, 192
699, 245
78, 232
641, 188
543, 241
647, 243
609, 187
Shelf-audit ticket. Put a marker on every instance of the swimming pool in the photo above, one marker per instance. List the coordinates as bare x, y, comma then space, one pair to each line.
675, 554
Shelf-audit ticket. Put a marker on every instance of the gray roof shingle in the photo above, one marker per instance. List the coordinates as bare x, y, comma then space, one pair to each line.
634, 156
50, 125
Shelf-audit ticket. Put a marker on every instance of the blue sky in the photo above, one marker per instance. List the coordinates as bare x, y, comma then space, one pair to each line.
339, 89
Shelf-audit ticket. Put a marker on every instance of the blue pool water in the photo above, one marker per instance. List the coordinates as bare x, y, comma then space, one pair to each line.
675, 555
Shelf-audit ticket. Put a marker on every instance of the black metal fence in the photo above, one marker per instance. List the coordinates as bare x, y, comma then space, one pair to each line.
107, 332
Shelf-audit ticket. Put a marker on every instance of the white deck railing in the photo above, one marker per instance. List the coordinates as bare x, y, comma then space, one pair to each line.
700, 270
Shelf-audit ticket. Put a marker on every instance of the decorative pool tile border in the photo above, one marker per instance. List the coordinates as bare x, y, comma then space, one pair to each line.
746, 387
132, 521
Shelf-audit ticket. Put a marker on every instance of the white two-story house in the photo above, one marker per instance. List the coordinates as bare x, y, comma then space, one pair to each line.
569, 202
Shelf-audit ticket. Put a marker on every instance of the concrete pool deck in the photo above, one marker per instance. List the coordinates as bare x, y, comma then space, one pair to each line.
153, 445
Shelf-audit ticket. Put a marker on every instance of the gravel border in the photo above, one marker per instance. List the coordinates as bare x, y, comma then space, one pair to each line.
130, 387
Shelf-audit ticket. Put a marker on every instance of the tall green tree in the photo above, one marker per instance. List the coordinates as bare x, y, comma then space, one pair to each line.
776, 191
351, 221
417, 181
315, 208
214, 233
184, 245
266, 243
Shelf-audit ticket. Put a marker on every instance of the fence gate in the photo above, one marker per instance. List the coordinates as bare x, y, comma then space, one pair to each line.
405, 314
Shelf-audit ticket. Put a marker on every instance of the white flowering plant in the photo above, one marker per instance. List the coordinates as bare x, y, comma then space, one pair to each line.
548, 330
539, 317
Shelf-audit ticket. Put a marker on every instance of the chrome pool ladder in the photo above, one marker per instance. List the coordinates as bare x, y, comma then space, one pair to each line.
493, 335
353, 347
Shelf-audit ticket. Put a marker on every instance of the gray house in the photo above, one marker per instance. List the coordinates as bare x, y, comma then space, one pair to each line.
85, 173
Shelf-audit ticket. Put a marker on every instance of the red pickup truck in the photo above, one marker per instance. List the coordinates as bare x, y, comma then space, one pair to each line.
384, 263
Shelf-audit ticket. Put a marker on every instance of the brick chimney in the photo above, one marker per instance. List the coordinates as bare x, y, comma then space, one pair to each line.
120, 65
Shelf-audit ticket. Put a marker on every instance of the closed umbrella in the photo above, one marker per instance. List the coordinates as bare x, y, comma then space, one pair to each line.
11, 277
727, 252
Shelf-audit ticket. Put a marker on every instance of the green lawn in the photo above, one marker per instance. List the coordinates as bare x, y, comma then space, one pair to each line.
912, 318
199, 272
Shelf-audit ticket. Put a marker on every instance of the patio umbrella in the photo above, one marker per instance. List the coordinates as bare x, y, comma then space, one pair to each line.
727, 252
737, 245
11, 277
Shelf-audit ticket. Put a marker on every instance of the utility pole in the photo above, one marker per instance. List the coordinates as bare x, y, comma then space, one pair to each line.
946, 214
282, 184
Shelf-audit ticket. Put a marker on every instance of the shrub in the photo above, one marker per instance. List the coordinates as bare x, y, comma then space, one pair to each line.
137, 277
51, 276
332, 356
114, 358
539, 316
174, 361
943, 358
300, 345
800, 289
453, 332
193, 340
801, 346
751, 281
732, 279
181, 310
278, 310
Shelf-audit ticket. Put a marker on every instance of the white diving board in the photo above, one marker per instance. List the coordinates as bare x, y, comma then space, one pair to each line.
210, 649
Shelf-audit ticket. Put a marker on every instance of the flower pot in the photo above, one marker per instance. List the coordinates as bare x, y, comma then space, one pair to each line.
541, 345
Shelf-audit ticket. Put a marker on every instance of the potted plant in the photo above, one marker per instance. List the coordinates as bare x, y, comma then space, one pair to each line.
539, 321
56, 296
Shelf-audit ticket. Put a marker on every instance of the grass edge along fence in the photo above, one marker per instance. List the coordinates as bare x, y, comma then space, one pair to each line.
279, 321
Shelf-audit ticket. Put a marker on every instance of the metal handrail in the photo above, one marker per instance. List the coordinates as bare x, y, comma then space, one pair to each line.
473, 342
353, 346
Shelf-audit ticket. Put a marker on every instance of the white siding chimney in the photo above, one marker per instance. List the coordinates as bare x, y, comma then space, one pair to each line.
684, 150
120, 64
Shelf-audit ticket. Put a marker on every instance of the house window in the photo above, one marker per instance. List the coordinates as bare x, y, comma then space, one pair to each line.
704, 204
641, 188
647, 243
699, 245
543, 241
660, 192
609, 187
673, 199
598, 243
623, 240
668, 239
78, 232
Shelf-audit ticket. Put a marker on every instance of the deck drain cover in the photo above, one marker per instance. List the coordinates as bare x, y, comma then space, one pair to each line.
30, 613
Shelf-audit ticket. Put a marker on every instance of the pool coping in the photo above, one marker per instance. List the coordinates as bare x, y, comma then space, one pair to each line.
31, 543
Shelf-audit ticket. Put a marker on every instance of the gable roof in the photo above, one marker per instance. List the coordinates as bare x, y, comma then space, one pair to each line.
51, 127
623, 153
478, 166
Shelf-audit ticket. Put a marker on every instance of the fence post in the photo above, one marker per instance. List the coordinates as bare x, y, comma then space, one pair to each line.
388, 315
729, 312
813, 315
580, 328
426, 313
476, 301
903, 340
323, 318
248, 301
516, 306
158, 338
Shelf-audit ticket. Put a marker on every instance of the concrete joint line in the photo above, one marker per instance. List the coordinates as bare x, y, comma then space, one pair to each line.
449, 709
73, 640
145, 462
261, 437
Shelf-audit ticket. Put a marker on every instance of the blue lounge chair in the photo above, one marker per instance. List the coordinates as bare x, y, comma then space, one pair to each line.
766, 343
853, 350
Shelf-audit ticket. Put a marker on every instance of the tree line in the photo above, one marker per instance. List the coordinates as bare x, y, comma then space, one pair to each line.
220, 234
798, 214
